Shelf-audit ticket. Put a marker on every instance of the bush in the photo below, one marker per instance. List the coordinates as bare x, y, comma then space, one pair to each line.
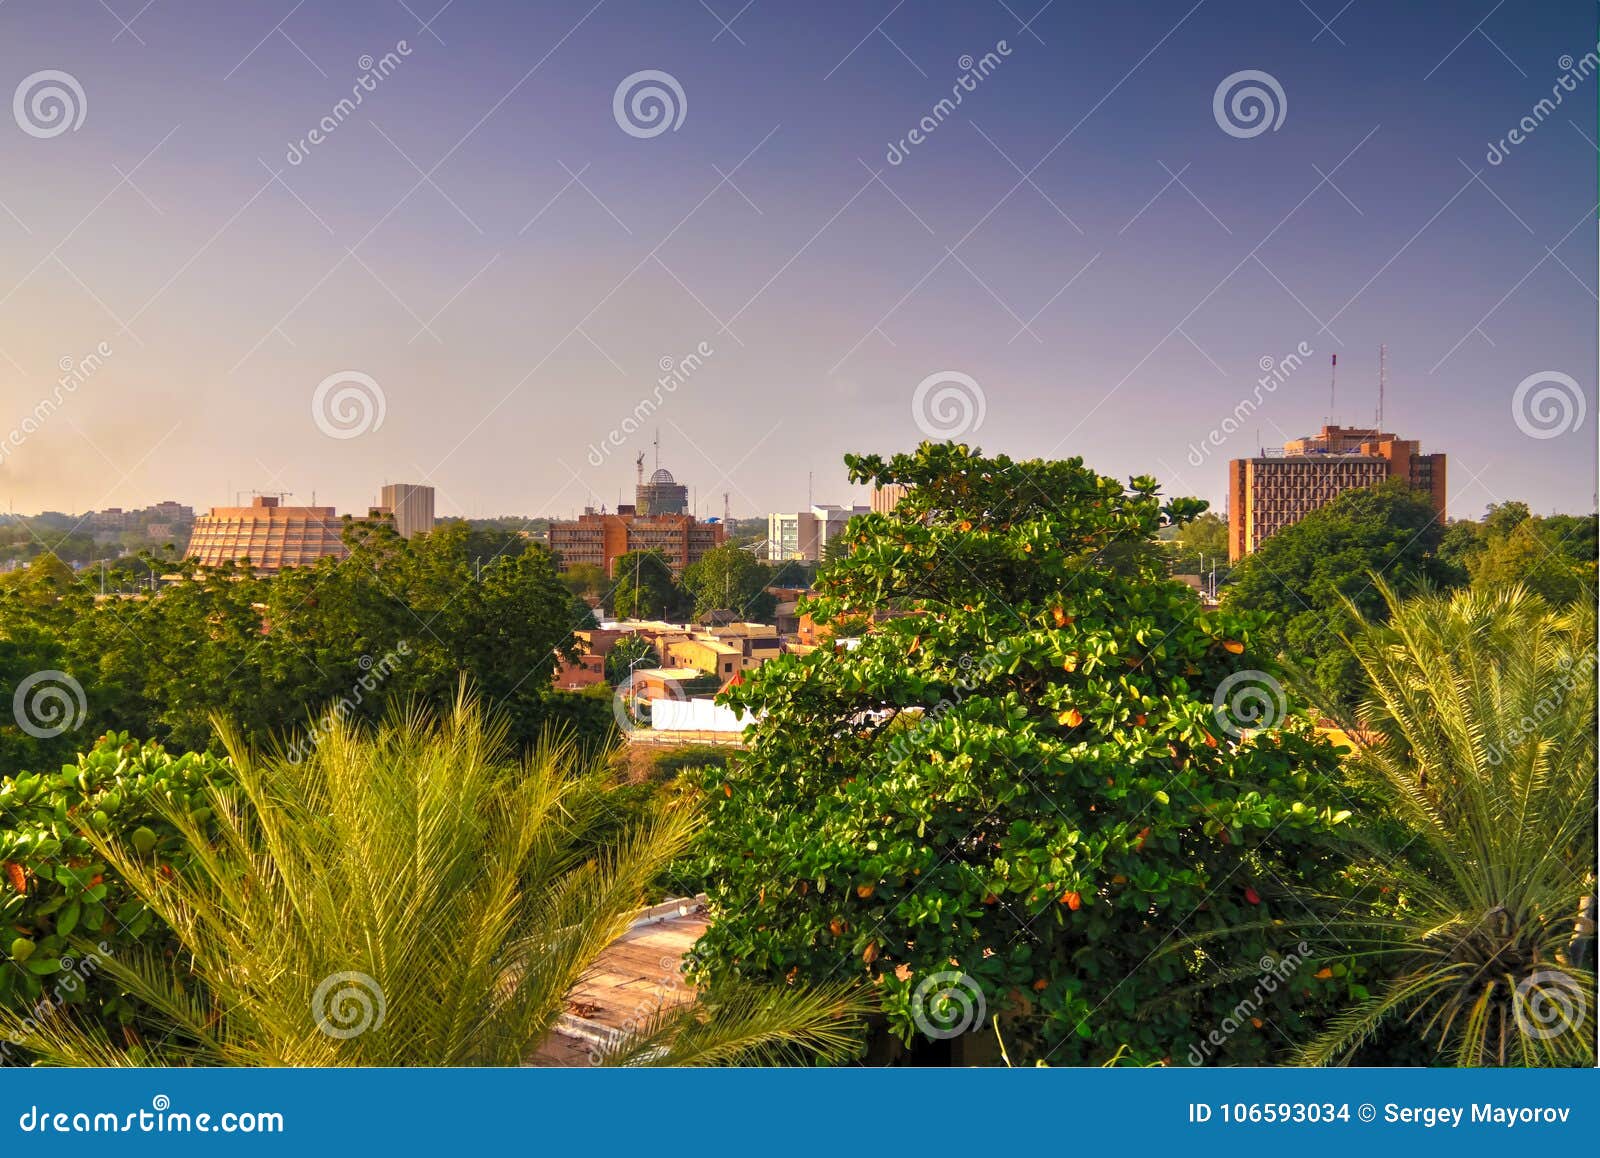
63, 911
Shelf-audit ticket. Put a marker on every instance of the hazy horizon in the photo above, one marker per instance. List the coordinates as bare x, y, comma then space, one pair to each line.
505, 257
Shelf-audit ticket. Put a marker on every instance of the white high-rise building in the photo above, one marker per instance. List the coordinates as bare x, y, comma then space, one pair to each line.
411, 506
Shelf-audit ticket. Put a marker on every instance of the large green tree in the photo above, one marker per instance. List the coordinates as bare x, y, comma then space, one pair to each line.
1304, 574
644, 587
729, 578
1026, 781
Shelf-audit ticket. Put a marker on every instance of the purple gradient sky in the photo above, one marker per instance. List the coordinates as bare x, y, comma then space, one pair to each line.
513, 315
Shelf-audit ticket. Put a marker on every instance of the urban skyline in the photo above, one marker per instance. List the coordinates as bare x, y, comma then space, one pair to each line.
488, 268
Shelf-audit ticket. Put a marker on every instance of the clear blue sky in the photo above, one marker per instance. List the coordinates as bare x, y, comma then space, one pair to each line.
1080, 237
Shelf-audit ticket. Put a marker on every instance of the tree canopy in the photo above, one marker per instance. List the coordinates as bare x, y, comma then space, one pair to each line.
397, 619
1031, 771
729, 578
1303, 574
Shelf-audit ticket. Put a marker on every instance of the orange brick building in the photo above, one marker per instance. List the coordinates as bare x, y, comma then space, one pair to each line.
601, 539
1276, 490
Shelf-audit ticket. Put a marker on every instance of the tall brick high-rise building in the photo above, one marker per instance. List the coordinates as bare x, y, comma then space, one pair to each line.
1279, 488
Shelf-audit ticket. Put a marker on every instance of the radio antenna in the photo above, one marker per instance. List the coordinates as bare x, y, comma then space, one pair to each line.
1383, 379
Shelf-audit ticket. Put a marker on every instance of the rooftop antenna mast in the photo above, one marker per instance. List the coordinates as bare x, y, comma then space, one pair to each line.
1333, 381
727, 510
1383, 379
658, 448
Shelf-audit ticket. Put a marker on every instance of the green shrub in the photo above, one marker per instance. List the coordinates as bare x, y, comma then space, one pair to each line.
63, 912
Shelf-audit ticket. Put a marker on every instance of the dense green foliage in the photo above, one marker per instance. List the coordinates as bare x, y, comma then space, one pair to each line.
297, 948
1303, 575
1554, 557
645, 588
1479, 726
1021, 779
398, 619
65, 912
729, 578
1200, 546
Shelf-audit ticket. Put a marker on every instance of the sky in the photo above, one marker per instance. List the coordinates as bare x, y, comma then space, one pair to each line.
474, 276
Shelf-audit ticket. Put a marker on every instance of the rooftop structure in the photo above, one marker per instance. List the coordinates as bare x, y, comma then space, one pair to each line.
662, 495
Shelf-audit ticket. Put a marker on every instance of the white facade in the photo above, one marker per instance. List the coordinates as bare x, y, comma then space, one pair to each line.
804, 534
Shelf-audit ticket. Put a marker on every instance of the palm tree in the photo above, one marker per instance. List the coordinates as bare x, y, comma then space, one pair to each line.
411, 896
1478, 732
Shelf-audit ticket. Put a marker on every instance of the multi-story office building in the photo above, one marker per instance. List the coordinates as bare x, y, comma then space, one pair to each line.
271, 536
1277, 489
804, 534
410, 505
658, 520
599, 538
